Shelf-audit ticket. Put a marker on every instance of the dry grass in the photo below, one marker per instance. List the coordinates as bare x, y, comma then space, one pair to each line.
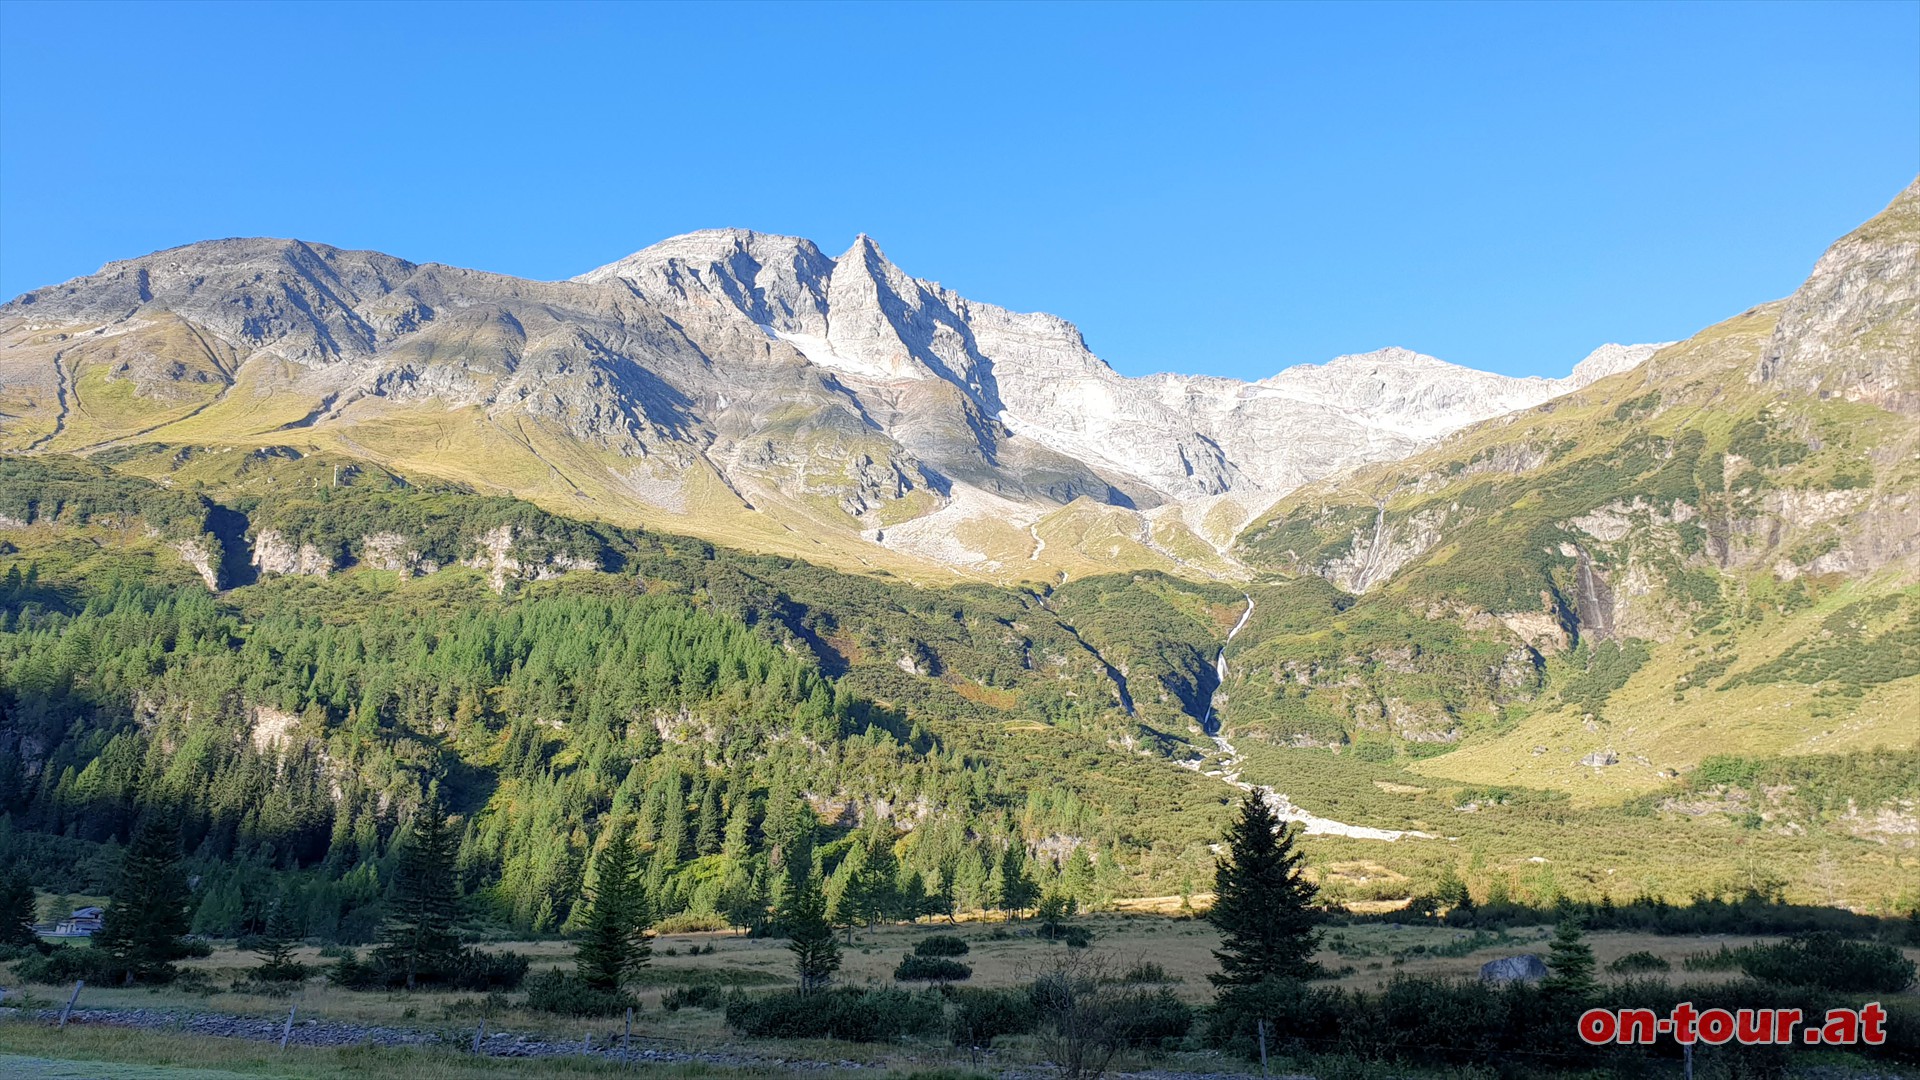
1003, 955
38, 1051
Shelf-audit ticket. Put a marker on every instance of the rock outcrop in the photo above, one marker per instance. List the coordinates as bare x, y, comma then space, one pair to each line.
273, 553
1853, 329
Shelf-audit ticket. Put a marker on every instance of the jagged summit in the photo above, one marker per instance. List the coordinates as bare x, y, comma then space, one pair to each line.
707, 246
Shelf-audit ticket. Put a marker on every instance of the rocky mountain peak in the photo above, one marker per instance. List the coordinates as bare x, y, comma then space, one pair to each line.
1611, 359
1853, 329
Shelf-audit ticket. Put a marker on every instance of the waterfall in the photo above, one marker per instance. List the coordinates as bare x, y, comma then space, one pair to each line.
1228, 766
1220, 669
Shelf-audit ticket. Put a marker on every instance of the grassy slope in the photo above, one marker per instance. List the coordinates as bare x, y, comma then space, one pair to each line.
1736, 658
1491, 557
266, 407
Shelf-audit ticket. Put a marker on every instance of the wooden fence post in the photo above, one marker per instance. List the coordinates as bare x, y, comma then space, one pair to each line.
77, 984
479, 1035
287, 1032
1263, 1048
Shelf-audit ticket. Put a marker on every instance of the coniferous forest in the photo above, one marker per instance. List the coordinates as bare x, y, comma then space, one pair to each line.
710, 709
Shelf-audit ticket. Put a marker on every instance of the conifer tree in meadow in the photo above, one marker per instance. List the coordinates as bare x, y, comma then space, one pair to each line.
17, 911
420, 942
816, 955
147, 917
277, 942
1569, 963
614, 942
1262, 903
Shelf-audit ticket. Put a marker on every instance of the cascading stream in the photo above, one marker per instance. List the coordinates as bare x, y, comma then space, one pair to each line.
1283, 808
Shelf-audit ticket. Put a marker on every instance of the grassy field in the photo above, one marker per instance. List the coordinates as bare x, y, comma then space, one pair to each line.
1003, 954
34, 1052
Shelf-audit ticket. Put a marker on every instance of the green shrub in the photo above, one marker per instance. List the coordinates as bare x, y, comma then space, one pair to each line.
563, 993
941, 945
489, 971
1146, 972
1721, 959
690, 922
1151, 1018
930, 969
693, 997
1639, 963
846, 1013
290, 972
1830, 962
980, 1015
476, 970
70, 962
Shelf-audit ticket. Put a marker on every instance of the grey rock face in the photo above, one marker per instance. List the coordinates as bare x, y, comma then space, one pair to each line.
1853, 329
1523, 968
275, 554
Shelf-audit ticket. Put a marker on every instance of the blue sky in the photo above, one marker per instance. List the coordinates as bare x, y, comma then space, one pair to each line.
1227, 189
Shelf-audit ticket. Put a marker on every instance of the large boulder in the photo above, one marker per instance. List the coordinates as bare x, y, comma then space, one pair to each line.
1523, 968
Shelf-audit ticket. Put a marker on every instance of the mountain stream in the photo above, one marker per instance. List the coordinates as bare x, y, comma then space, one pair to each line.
1226, 767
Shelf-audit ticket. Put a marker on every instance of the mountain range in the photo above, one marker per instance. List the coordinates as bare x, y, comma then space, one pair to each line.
731, 384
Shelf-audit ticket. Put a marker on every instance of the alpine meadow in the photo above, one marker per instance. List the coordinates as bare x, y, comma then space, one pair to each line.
740, 658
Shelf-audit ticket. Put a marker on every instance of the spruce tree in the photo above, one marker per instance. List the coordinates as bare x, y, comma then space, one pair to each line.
1055, 909
420, 943
710, 835
277, 942
1017, 890
1261, 903
147, 914
1569, 963
816, 955
614, 944
17, 911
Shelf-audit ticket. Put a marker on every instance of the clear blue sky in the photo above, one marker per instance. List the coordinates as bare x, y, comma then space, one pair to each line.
1222, 189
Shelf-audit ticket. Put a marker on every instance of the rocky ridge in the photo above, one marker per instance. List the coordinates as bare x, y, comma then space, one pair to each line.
718, 373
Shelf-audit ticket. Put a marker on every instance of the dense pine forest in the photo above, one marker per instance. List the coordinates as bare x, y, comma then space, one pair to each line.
742, 721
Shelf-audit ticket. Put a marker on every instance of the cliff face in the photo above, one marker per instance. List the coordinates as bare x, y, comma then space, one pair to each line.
1853, 330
